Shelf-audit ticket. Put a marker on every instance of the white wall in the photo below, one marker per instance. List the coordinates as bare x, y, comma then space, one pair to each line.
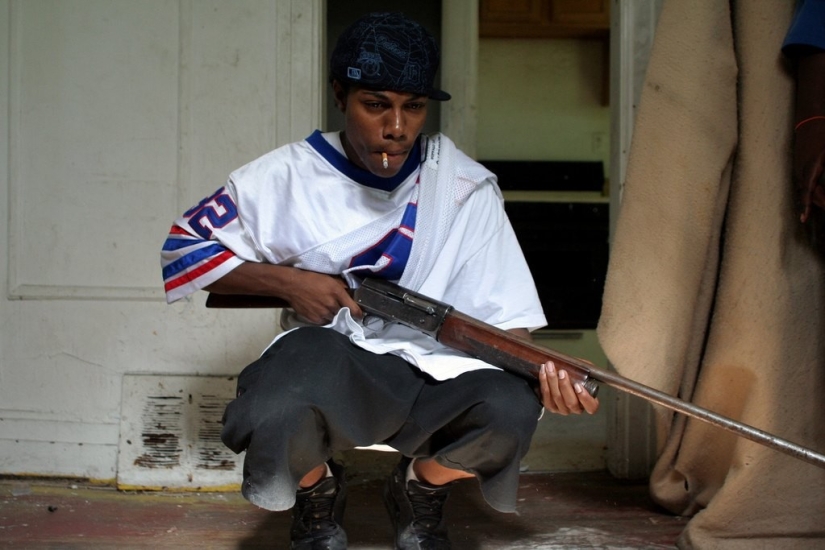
122, 115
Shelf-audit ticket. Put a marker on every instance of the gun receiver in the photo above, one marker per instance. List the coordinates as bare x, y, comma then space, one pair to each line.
509, 352
459, 331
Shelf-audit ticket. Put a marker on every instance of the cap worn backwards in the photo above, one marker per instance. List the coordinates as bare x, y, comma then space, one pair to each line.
388, 51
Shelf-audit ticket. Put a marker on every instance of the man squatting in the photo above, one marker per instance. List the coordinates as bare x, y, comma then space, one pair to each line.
311, 218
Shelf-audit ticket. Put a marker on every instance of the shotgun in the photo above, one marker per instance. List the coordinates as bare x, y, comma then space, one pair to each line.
505, 350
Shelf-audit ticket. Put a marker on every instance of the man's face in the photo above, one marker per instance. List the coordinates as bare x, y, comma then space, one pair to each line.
380, 122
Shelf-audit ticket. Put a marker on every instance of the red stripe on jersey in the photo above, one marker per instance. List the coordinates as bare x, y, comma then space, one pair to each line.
179, 231
190, 276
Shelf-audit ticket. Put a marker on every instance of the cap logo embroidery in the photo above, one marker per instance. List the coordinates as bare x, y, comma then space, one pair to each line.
370, 63
354, 73
391, 46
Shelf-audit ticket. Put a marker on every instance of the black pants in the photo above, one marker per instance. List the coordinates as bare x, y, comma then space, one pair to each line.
313, 392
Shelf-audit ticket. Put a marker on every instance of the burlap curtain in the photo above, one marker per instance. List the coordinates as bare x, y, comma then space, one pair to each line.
712, 292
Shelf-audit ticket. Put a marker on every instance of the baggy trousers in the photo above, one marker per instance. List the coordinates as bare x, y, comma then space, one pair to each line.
313, 393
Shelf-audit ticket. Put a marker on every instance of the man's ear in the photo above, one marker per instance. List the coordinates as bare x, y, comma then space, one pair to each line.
340, 96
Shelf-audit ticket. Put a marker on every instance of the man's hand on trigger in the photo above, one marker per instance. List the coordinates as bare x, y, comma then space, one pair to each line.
559, 395
317, 297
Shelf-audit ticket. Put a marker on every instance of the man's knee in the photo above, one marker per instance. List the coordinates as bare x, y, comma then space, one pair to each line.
510, 409
306, 342
303, 360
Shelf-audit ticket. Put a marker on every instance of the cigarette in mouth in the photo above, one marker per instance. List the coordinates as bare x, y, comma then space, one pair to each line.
385, 161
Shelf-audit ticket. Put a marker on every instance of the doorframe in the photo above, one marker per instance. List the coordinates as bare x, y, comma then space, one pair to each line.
631, 444
631, 436
459, 72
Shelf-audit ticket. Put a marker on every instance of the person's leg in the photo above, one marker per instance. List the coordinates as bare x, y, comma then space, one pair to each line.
318, 513
490, 437
314, 476
310, 394
479, 424
429, 470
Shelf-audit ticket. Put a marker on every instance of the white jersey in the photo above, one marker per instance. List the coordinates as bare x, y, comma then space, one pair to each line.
305, 205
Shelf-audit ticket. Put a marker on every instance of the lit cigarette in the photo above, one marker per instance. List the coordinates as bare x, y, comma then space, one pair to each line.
384, 159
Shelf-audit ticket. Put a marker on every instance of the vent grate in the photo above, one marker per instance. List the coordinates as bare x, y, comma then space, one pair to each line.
161, 421
170, 433
211, 452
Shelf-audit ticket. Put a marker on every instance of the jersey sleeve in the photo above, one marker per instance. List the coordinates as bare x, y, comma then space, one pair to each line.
204, 244
482, 270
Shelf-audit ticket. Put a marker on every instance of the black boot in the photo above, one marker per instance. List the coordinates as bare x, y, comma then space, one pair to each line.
318, 514
417, 511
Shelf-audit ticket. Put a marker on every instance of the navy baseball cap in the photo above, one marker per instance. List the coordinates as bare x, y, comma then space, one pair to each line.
388, 51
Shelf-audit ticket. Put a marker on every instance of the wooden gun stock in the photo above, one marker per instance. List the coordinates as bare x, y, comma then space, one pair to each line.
513, 354
509, 352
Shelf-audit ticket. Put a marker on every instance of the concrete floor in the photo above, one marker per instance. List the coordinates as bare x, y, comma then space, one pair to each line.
556, 511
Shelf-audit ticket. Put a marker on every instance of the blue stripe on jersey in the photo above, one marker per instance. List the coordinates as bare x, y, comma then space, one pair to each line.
394, 248
174, 243
365, 177
196, 256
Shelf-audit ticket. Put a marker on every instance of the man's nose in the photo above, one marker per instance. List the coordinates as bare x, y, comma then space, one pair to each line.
395, 124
